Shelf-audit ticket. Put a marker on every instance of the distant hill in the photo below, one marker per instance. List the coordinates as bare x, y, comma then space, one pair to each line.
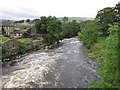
78, 19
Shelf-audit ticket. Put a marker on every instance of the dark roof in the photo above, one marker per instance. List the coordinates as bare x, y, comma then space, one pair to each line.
7, 23
20, 31
26, 26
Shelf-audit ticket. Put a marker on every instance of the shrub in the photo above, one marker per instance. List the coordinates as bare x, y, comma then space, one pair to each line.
108, 60
89, 34
23, 48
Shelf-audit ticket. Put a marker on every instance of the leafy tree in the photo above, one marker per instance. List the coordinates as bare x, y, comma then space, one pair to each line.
41, 25
28, 20
105, 17
35, 20
16, 21
21, 21
33, 30
70, 29
89, 33
65, 19
50, 28
117, 9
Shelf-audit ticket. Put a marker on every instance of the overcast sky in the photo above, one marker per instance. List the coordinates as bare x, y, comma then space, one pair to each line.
23, 9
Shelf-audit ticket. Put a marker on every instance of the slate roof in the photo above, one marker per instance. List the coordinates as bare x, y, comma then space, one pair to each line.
7, 23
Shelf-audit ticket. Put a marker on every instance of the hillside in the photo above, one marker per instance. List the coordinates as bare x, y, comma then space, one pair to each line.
78, 19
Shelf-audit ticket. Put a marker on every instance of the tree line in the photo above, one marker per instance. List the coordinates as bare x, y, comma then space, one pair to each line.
53, 30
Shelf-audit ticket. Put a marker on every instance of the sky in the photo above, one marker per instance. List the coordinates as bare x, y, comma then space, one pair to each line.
24, 9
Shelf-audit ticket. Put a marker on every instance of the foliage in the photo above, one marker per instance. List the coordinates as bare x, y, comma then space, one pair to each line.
25, 41
89, 33
23, 48
33, 30
50, 28
117, 9
28, 20
65, 19
21, 28
35, 20
104, 50
106, 53
105, 17
21, 21
70, 29
29, 30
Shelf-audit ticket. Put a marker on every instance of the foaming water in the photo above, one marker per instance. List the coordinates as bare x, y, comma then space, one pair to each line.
65, 66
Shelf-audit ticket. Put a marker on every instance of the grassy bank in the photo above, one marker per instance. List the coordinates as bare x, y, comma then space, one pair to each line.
105, 52
3, 39
107, 60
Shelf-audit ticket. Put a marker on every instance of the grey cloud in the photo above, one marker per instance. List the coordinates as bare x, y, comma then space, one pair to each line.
21, 14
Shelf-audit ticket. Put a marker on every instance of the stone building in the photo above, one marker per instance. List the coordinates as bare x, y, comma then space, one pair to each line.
8, 27
12, 29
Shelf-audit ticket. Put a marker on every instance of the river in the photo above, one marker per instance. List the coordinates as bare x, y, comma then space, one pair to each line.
65, 66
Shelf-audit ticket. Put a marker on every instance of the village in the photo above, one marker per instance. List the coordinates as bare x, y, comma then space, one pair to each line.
18, 37
14, 29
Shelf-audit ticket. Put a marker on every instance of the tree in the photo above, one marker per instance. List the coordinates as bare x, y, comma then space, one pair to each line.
89, 33
70, 29
28, 20
35, 20
21, 21
65, 19
117, 9
105, 17
50, 28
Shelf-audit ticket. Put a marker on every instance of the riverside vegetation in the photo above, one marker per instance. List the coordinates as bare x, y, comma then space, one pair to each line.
101, 38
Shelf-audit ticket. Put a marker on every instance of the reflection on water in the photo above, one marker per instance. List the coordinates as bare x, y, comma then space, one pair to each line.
63, 66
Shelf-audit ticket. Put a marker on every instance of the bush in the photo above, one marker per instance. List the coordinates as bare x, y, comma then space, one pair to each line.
25, 41
89, 34
70, 29
23, 48
108, 60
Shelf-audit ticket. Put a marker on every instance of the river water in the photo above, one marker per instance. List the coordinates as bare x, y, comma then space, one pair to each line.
65, 66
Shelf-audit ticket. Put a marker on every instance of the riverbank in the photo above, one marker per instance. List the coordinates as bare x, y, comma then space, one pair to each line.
106, 55
16, 48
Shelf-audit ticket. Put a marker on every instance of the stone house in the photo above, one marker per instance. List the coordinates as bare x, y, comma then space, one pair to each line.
12, 29
8, 27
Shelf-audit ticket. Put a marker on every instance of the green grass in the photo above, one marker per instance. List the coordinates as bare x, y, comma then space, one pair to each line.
101, 40
3, 39
107, 59
24, 40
